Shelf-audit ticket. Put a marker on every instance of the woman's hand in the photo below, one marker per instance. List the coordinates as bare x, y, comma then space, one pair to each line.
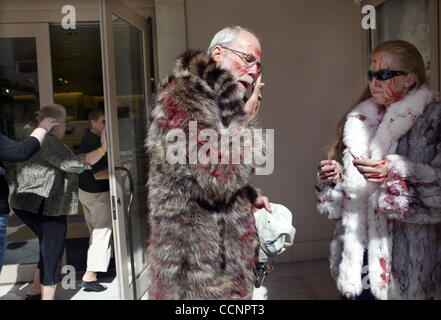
252, 105
104, 140
48, 123
329, 171
372, 170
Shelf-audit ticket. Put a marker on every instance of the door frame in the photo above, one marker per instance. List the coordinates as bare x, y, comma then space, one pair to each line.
107, 8
13, 273
39, 31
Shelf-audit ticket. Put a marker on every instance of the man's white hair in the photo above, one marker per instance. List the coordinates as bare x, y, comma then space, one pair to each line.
227, 36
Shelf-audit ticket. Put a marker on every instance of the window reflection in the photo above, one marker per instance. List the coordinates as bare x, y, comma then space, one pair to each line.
406, 20
77, 75
19, 99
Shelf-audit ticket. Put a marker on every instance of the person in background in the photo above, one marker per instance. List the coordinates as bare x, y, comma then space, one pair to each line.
13, 151
382, 183
46, 192
95, 200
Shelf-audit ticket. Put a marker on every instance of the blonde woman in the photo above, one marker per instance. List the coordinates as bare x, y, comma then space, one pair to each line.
46, 192
382, 183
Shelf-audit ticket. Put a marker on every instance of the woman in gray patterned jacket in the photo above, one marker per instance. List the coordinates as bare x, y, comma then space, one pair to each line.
382, 184
46, 192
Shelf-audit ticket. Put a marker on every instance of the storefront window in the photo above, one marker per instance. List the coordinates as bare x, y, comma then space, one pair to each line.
77, 75
19, 99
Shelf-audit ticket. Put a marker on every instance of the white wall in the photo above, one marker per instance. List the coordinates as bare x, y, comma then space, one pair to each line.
170, 37
312, 68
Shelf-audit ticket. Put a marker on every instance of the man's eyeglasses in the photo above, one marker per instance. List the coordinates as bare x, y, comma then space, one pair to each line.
382, 75
249, 59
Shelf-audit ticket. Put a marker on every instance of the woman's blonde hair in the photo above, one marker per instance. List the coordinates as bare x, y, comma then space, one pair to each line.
56, 111
409, 59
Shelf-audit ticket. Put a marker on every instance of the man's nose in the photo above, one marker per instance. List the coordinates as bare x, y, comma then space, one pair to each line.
253, 71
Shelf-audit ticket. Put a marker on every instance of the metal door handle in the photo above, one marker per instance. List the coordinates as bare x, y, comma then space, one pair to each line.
129, 226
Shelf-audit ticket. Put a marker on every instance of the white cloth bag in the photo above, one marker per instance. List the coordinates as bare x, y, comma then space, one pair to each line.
275, 230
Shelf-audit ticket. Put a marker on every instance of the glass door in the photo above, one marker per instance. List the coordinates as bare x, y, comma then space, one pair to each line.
125, 51
25, 86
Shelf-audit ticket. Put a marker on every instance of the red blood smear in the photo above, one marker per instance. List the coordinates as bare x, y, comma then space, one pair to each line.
397, 95
257, 53
403, 185
175, 115
361, 117
392, 96
217, 173
379, 164
384, 275
383, 264
240, 67
377, 84
389, 221
381, 62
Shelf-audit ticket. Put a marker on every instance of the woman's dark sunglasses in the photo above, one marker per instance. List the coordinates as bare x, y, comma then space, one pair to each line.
382, 75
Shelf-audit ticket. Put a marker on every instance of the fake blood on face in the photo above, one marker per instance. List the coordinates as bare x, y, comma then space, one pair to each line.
240, 67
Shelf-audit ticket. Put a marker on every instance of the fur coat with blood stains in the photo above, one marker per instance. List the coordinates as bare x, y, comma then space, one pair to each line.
203, 237
398, 222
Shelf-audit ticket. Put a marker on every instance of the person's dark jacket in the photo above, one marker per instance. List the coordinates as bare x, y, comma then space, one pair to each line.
13, 151
49, 177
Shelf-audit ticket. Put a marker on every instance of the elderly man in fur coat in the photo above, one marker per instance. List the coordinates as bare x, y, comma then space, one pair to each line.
203, 237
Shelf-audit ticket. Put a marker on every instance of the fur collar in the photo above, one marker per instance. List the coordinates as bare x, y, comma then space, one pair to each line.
371, 133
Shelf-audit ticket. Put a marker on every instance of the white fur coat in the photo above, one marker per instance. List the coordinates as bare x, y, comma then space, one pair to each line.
398, 221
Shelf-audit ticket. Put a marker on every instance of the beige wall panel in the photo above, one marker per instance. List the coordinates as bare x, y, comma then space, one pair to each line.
312, 68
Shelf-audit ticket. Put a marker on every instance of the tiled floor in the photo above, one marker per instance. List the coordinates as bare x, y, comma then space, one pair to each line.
18, 292
309, 280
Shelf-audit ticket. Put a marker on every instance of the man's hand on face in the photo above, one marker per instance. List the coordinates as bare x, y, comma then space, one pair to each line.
252, 105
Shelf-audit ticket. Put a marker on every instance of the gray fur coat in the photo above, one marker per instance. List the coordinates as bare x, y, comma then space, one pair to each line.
50, 176
203, 237
398, 222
